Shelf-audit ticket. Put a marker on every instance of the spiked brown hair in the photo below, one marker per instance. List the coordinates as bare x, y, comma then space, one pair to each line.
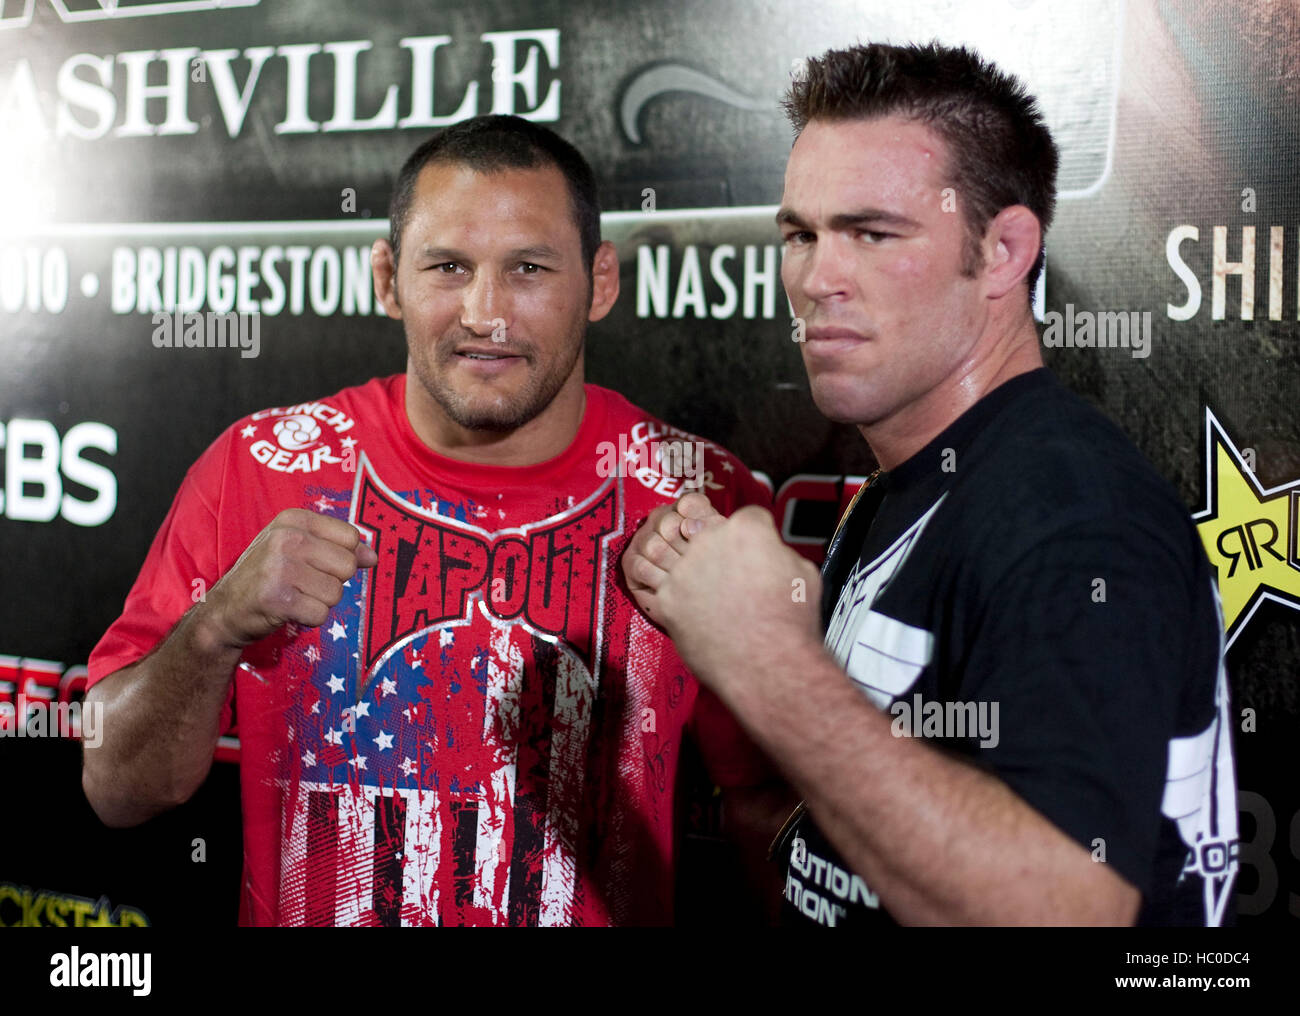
1000, 150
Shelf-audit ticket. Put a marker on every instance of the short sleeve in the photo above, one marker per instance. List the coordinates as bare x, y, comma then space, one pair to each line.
1081, 657
183, 552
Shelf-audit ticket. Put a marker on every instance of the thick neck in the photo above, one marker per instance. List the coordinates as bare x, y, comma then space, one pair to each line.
1003, 352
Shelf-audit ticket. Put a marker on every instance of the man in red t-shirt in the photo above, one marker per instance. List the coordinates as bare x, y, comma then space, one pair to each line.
408, 595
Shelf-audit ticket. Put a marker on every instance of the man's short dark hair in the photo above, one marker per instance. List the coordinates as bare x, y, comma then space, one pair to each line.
489, 144
1000, 150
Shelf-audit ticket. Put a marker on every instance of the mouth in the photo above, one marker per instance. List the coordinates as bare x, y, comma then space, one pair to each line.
827, 334
486, 362
831, 341
486, 358
487, 353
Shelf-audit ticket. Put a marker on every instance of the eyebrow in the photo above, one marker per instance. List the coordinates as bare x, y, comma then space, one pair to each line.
848, 220
541, 252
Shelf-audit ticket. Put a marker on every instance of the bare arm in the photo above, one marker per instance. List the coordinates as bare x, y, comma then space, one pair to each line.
939, 840
160, 728
161, 715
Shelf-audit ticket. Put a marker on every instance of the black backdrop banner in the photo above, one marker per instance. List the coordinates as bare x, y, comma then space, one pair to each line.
237, 155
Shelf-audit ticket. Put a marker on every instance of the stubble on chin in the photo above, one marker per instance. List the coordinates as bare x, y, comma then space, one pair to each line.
487, 410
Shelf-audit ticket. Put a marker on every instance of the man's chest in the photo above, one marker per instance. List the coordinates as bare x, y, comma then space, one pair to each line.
882, 627
492, 629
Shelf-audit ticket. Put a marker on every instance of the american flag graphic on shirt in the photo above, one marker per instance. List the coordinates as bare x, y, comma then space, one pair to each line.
434, 733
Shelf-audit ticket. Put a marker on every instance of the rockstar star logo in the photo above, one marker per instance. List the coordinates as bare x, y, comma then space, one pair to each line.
1249, 532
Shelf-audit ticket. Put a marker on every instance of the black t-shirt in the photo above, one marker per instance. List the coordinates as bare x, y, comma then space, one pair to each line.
1028, 594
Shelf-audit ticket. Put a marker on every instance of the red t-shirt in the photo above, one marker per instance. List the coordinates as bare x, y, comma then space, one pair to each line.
485, 730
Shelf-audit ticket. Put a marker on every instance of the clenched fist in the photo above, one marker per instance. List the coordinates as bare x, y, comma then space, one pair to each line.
660, 543
293, 570
727, 590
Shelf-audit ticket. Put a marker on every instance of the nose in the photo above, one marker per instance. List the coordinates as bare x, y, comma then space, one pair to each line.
826, 270
485, 310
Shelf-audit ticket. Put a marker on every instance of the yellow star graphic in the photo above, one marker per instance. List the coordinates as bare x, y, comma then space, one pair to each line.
1249, 532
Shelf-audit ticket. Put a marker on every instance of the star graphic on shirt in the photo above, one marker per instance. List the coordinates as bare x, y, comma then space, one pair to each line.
389, 686
312, 654
322, 504
315, 707
309, 758
384, 740
360, 709
336, 683
337, 630
348, 442
408, 767
334, 736
359, 762
728, 466
248, 431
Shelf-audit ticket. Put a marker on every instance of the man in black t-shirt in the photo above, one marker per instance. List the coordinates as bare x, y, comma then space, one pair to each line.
1018, 713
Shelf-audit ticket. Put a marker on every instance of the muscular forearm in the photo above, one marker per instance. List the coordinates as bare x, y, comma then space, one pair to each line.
161, 718
939, 840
